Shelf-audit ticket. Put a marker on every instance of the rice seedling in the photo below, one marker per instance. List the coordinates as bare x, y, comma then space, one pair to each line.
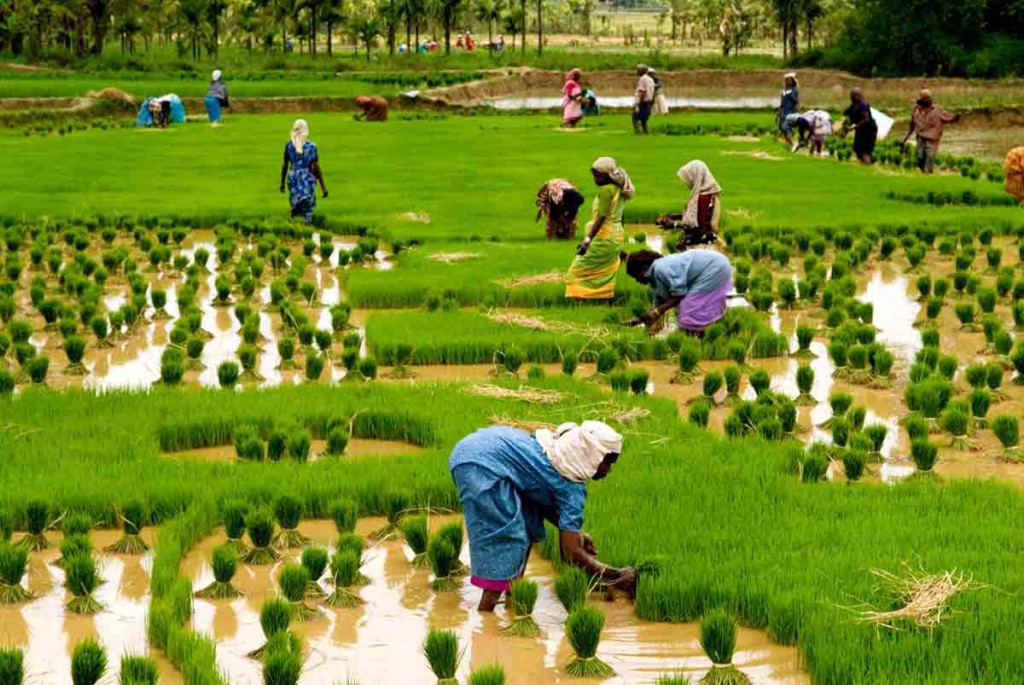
344, 513
37, 367
804, 337
260, 524
760, 381
672, 680
522, 597
981, 401
314, 560
1007, 429
638, 380
688, 357
1017, 359
930, 337
924, 287
699, 412
856, 416
733, 376
712, 383
71, 546
13, 563
975, 375
814, 467
804, 383
248, 443
583, 628
138, 670
718, 638
841, 430
275, 617
76, 523
414, 529
606, 361
986, 298
957, 424
234, 513
572, 588
882, 361
619, 381
37, 514
570, 361
965, 314
12, 666
876, 433
395, 504
288, 512
854, 463
345, 573
294, 582
133, 515
487, 675
924, 453
314, 367
227, 374
224, 563
298, 444
74, 348
88, 662
82, 579
837, 352
282, 660
441, 648
442, 557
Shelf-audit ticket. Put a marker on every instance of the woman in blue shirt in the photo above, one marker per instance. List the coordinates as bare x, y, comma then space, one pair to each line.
697, 282
789, 103
511, 482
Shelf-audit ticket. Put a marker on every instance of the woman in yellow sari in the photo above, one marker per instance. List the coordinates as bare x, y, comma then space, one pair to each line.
592, 274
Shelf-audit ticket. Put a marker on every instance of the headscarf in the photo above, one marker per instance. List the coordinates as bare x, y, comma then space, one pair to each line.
639, 263
792, 75
607, 165
576, 451
697, 176
574, 75
216, 74
300, 133
551, 193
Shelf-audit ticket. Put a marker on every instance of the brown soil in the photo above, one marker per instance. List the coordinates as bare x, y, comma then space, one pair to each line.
357, 447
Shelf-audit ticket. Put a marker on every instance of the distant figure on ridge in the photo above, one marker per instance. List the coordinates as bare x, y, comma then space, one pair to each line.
860, 120
643, 100
216, 98
373, 108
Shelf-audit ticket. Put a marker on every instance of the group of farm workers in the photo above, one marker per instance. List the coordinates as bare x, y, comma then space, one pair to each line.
648, 99
814, 126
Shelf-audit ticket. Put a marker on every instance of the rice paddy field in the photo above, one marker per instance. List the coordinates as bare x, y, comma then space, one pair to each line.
225, 435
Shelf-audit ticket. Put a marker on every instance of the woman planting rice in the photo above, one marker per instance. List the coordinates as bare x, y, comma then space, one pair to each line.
702, 210
695, 281
301, 155
572, 98
592, 274
510, 482
559, 202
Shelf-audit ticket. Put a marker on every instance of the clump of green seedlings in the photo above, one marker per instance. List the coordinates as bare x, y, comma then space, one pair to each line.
804, 384
13, 563
584, 628
718, 638
138, 670
840, 402
414, 529
275, 617
688, 358
733, 376
224, 563
442, 557
293, 582
804, 337
924, 453
228, 374
352, 542
699, 413
572, 588
396, 502
441, 648
345, 572
854, 464
282, 660
337, 441
344, 513
234, 513
82, 579
980, 401
132, 515
88, 662
38, 518
487, 675
288, 512
956, 422
314, 560
1007, 429
260, 524
815, 463
522, 598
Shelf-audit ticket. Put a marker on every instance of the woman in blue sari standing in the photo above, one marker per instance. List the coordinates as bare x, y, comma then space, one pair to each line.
301, 155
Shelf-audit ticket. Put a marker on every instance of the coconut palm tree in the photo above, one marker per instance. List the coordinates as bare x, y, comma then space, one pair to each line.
489, 11
191, 15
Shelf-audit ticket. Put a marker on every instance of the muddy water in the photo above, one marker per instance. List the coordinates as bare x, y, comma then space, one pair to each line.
48, 633
357, 447
379, 641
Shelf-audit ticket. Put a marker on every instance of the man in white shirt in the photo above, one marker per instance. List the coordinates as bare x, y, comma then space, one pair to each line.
643, 101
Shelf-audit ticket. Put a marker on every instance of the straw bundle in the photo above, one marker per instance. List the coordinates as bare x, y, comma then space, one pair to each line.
924, 597
532, 395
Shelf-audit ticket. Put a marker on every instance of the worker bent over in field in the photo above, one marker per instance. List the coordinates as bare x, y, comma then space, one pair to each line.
373, 108
927, 121
510, 482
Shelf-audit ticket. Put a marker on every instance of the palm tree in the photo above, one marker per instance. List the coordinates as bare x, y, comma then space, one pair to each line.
332, 12
365, 27
445, 10
191, 14
214, 11
414, 11
99, 12
390, 13
489, 11
284, 10
514, 22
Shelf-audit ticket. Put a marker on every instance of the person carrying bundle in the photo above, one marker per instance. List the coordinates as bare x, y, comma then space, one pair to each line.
559, 202
373, 108
696, 282
510, 482
862, 122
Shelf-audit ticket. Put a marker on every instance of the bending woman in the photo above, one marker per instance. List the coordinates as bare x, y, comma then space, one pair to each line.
559, 202
592, 274
702, 210
511, 482
572, 99
695, 281
301, 155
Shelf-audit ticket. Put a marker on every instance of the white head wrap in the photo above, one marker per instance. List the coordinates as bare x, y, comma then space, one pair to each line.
697, 176
607, 165
576, 451
300, 133
216, 74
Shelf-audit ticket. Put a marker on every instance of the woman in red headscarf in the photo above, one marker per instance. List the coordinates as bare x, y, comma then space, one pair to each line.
572, 99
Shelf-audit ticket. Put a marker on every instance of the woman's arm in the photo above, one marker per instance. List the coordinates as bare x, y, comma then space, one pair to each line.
319, 175
591, 234
284, 168
578, 550
655, 312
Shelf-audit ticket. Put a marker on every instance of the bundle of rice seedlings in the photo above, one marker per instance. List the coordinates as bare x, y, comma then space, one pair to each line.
314, 560
584, 630
224, 563
840, 403
804, 337
82, 580
227, 374
37, 514
814, 467
957, 424
234, 513
718, 638
687, 358
570, 360
395, 502
248, 443
854, 463
924, 454
712, 383
132, 516
138, 670
275, 617
804, 383
344, 513
733, 376
282, 660
442, 559
414, 528
345, 572
74, 348
293, 581
13, 563
298, 444
12, 666
699, 413
619, 380
260, 524
672, 680
981, 401
452, 531
638, 380
288, 512
71, 546
337, 441
441, 647
572, 588
760, 381
352, 542
856, 416
88, 662
487, 675
1007, 429
522, 598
